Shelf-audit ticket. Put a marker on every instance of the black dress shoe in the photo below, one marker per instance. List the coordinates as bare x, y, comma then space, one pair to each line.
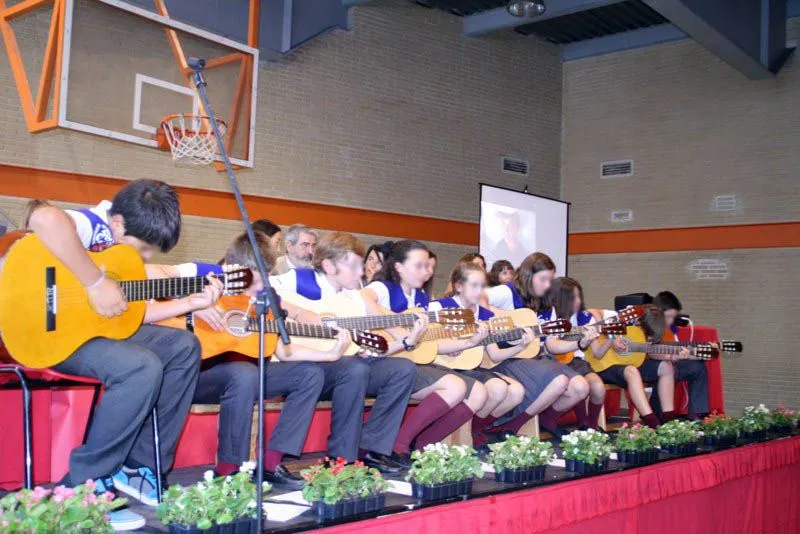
403, 460
284, 478
382, 463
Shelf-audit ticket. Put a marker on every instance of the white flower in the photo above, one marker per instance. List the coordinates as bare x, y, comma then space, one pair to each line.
208, 475
247, 467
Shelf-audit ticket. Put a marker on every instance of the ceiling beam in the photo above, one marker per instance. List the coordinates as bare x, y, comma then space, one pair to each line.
498, 19
662, 33
749, 35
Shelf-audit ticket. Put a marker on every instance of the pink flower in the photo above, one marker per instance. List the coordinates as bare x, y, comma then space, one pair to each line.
90, 484
4, 524
92, 498
58, 499
39, 493
108, 496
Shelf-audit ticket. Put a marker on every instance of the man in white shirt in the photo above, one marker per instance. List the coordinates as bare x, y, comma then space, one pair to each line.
300, 244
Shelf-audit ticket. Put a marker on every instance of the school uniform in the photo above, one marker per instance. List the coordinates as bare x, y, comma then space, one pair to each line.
391, 296
348, 381
156, 366
695, 374
578, 366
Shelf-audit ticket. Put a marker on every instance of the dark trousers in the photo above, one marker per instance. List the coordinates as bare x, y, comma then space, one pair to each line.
347, 383
156, 366
695, 373
234, 385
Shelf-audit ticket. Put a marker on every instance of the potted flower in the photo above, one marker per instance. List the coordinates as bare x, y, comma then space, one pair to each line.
720, 430
336, 489
224, 505
586, 451
754, 422
63, 510
782, 420
679, 437
442, 471
636, 444
520, 459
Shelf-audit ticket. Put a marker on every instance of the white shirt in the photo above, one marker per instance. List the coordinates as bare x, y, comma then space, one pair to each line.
382, 292
435, 305
84, 227
501, 297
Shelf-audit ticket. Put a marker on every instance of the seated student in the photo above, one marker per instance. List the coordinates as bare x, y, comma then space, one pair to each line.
156, 366
503, 392
234, 385
472, 257
692, 371
337, 268
564, 300
502, 272
32, 205
448, 399
272, 231
432, 261
550, 388
373, 260
656, 368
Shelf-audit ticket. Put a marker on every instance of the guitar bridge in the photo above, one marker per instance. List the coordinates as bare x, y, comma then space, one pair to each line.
51, 299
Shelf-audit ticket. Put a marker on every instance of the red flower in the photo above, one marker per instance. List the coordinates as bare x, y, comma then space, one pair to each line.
359, 463
340, 461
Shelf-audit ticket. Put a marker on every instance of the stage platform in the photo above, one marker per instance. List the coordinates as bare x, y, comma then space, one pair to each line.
753, 488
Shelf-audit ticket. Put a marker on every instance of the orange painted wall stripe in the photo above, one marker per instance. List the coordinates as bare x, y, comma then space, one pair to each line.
87, 189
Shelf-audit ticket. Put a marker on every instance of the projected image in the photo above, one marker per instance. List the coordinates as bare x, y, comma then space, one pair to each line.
506, 233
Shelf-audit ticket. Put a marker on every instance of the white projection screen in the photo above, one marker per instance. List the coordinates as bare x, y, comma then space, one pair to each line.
514, 224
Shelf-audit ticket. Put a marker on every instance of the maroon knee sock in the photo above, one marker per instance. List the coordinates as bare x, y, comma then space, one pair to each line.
651, 420
272, 459
513, 425
479, 424
582, 415
594, 414
666, 417
548, 419
445, 426
426, 412
222, 469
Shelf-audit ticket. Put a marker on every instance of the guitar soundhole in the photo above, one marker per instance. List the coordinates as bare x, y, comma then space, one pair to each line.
236, 323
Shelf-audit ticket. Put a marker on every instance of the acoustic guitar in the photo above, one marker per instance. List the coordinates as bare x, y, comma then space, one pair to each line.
577, 332
45, 314
241, 327
639, 347
346, 310
725, 345
503, 329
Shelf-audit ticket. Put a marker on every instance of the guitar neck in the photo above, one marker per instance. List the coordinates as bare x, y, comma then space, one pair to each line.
295, 329
161, 288
379, 322
654, 348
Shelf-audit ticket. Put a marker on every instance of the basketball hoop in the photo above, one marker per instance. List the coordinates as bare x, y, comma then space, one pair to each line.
190, 138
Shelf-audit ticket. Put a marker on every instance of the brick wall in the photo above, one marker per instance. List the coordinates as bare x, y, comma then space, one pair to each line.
695, 128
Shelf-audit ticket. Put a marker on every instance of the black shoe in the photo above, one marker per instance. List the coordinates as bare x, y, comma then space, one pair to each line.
284, 478
382, 463
403, 460
557, 432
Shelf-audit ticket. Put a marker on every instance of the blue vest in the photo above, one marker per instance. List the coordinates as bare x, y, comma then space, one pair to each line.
450, 302
102, 238
398, 302
582, 318
204, 269
518, 302
307, 285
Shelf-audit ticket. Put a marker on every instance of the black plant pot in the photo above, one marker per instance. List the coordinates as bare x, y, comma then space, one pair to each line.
579, 466
638, 457
720, 442
521, 475
684, 448
781, 430
755, 435
446, 490
348, 507
242, 526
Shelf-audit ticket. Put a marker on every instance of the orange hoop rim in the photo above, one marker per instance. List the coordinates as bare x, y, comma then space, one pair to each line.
161, 138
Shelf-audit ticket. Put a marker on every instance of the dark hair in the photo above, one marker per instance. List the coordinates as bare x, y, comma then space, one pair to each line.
151, 212
471, 256
241, 253
534, 263
666, 300
398, 254
562, 295
460, 273
427, 287
265, 226
653, 323
497, 268
382, 249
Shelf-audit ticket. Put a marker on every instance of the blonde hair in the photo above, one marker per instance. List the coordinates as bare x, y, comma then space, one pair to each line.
460, 274
241, 253
335, 246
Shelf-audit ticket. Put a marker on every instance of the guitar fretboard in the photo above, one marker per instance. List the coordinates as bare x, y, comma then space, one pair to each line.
654, 348
379, 322
295, 329
162, 288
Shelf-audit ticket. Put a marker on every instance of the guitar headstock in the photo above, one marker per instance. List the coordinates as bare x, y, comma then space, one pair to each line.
235, 279
613, 329
501, 324
706, 352
630, 315
455, 317
373, 344
731, 346
554, 328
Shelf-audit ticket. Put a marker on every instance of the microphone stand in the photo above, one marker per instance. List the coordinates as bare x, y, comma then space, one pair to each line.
264, 300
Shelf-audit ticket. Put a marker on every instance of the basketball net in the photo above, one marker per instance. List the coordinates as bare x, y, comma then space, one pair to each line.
190, 138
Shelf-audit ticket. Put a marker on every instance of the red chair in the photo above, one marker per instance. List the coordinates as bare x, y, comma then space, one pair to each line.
14, 376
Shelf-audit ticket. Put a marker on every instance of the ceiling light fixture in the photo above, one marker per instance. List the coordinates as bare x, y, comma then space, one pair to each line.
526, 8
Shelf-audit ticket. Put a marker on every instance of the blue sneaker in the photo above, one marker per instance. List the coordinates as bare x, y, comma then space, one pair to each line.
122, 519
137, 483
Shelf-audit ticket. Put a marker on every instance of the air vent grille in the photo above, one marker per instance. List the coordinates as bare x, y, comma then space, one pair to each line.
513, 165
616, 169
725, 203
621, 216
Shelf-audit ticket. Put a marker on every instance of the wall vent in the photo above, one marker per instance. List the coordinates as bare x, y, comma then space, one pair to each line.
621, 216
513, 165
616, 169
725, 203
709, 269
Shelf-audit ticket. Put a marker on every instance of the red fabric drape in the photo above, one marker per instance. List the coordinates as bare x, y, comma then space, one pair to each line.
752, 489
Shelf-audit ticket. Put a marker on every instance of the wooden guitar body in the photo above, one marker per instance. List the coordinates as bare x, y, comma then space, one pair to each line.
634, 334
472, 357
523, 317
25, 296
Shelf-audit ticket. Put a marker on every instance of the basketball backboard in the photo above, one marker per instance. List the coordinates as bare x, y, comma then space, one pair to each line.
117, 69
